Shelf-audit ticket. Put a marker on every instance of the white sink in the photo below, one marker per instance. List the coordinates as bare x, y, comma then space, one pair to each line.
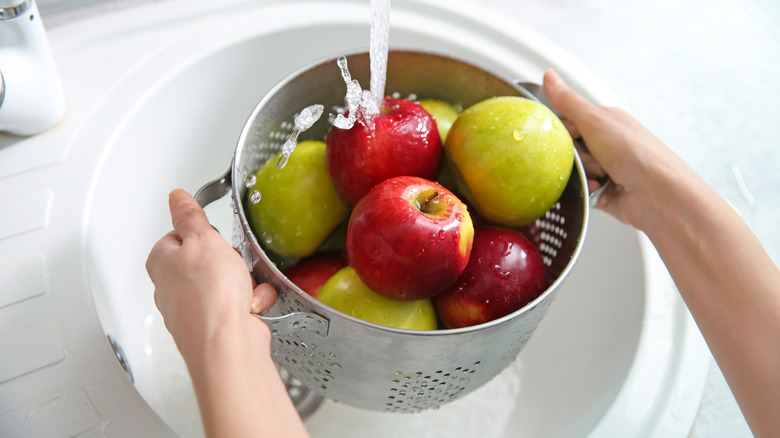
158, 96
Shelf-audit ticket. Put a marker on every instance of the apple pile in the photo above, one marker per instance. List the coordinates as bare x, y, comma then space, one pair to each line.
401, 179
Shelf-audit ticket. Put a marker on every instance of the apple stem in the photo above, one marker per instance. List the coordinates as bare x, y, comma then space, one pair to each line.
431, 198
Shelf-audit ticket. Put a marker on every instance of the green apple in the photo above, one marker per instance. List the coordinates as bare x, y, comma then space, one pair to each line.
347, 293
443, 112
512, 158
299, 207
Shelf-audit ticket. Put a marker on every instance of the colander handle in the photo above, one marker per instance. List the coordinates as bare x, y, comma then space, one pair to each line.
215, 189
279, 325
536, 92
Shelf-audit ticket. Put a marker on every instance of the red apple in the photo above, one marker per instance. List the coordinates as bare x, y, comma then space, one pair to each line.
401, 140
409, 238
312, 272
505, 272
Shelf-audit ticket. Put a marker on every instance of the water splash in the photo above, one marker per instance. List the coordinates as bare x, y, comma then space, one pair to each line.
303, 121
360, 103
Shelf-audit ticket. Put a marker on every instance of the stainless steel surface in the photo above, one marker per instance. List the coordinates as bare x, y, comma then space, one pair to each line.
2, 89
368, 365
120, 356
214, 190
15, 11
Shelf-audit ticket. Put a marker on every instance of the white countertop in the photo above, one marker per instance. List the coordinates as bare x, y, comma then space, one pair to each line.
700, 74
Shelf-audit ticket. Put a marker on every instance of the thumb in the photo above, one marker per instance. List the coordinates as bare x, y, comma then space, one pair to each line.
187, 216
570, 104
263, 297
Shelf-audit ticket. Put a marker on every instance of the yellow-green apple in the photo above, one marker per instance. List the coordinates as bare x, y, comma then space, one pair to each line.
443, 112
512, 158
312, 272
409, 238
299, 206
345, 292
401, 140
505, 272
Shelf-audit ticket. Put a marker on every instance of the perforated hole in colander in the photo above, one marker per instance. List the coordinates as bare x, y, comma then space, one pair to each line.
415, 391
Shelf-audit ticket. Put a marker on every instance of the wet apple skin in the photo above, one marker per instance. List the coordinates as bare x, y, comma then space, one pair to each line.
505, 272
402, 140
512, 158
401, 252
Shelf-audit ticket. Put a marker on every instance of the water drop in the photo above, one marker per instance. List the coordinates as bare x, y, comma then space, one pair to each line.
519, 134
282, 161
303, 121
442, 234
250, 181
459, 217
508, 249
496, 270
432, 237
254, 197
308, 116
342, 122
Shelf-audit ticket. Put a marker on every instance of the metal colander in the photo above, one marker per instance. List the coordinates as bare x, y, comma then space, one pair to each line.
356, 362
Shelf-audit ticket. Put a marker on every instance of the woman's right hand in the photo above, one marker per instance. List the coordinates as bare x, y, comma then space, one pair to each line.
639, 164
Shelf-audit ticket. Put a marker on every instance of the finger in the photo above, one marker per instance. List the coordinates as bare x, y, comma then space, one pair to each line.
263, 297
574, 131
567, 101
160, 251
593, 185
187, 216
609, 201
593, 169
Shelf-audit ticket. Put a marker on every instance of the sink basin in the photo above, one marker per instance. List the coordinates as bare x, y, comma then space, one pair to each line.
158, 103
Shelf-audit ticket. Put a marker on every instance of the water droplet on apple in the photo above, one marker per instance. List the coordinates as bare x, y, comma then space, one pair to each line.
442, 234
459, 217
254, 197
508, 249
496, 270
250, 181
432, 237
456, 235
519, 134
421, 252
